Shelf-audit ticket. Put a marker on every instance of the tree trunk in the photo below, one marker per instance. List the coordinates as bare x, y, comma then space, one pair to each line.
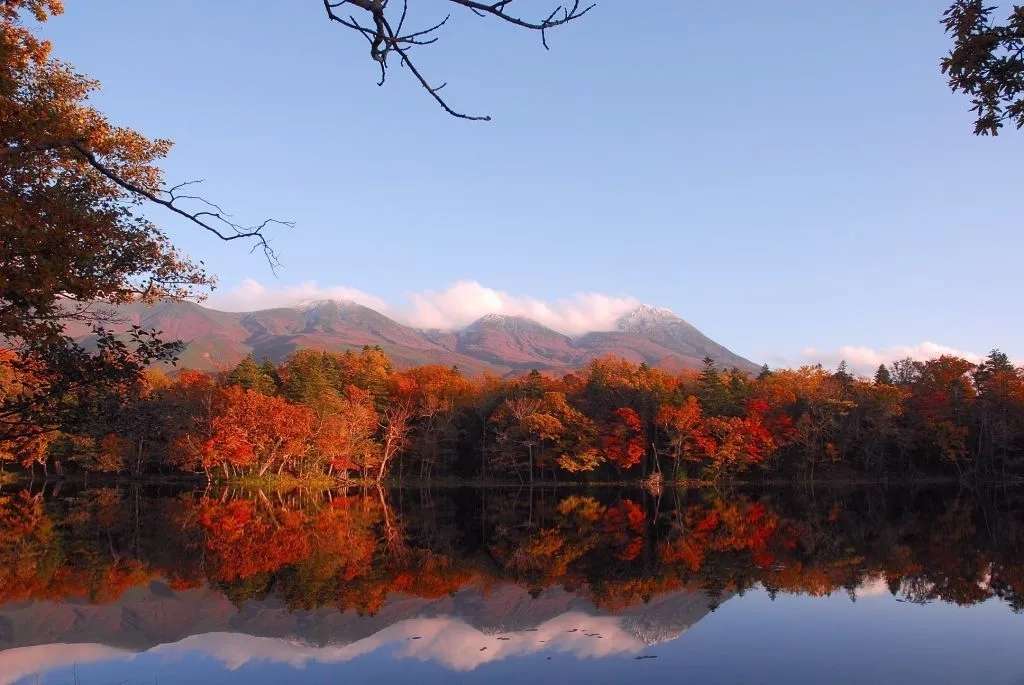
384, 462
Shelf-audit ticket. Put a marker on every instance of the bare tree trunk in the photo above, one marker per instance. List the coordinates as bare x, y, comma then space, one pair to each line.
384, 461
530, 448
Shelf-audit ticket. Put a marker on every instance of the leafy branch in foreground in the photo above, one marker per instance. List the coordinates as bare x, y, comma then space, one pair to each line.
987, 63
72, 235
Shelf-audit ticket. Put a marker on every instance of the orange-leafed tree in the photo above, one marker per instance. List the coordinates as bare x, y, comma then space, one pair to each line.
554, 433
440, 391
940, 400
17, 444
344, 434
508, 421
113, 453
683, 427
251, 433
71, 233
396, 419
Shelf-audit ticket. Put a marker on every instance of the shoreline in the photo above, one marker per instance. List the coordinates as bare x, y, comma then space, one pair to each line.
199, 481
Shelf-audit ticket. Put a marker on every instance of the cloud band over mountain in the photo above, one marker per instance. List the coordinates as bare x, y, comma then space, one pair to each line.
466, 301
452, 308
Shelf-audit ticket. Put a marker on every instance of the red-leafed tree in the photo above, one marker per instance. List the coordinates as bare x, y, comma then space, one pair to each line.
249, 433
625, 440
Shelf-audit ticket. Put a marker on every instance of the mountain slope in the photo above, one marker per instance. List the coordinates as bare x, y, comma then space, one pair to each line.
660, 338
517, 342
500, 344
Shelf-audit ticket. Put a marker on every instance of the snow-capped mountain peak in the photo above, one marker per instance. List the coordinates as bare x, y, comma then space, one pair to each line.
312, 305
644, 317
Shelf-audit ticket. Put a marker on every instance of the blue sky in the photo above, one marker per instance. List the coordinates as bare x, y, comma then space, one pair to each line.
785, 176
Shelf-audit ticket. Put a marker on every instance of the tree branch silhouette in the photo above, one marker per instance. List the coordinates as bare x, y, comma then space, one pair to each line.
387, 36
213, 219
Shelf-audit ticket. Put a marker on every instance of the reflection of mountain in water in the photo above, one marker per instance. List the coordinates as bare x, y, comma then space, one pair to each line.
450, 630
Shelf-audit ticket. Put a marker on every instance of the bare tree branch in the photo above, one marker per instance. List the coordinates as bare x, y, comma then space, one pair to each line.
213, 219
384, 39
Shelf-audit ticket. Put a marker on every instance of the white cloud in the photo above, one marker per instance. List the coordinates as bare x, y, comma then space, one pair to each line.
454, 307
251, 295
465, 301
873, 586
865, 360
446, 640
21, 662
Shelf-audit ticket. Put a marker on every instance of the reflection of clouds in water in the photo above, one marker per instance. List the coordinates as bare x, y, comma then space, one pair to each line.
20, 662
448, 641
458, 644
873, 586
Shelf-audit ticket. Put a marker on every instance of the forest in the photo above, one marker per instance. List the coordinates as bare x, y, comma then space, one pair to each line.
337, 418
73, 235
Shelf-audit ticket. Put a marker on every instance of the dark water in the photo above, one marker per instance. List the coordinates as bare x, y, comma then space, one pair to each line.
130, 585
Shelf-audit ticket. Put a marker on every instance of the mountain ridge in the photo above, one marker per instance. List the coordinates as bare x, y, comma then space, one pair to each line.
495, 343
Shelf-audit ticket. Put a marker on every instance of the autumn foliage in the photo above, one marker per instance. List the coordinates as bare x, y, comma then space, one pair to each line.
353, 415
356, 549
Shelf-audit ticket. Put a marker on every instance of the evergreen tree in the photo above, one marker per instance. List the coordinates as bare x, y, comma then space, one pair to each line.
534, 385
842, 373
882, 375
999, 411
252, 376
739, 392
712, 391
308, 376
270, 371
995, 363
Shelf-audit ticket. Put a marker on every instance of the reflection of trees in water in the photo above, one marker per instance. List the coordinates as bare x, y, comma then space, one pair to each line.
353, 549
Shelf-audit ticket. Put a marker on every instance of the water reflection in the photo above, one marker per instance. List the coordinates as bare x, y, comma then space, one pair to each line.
119, 582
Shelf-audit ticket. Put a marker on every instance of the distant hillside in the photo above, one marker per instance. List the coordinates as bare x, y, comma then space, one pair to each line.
496, 343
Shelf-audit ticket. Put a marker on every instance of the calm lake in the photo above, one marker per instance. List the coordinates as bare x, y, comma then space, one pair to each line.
795, 585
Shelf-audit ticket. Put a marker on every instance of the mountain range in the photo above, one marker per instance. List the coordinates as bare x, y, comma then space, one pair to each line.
495, 343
